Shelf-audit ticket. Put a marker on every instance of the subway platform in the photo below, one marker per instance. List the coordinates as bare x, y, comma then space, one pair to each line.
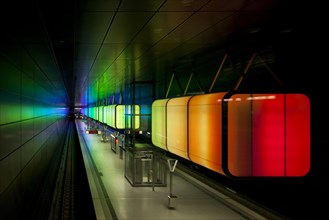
114, 197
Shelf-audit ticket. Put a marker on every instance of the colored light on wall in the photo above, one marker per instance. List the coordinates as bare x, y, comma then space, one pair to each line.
205, 130
177, 126
159, 121
89, 112
268, 135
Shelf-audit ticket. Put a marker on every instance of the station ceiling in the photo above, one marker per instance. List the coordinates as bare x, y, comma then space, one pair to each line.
99, 45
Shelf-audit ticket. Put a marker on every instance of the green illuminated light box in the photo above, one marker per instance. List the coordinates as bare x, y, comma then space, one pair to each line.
105, 114
159, 123
110, 115
93, 112
100, 114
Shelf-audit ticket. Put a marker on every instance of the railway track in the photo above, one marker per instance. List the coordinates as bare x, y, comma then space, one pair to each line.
72, 198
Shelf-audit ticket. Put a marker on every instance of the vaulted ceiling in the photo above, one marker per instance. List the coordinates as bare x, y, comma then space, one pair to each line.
83, 44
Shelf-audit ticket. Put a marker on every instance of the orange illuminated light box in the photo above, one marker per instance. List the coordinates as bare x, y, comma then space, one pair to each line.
267, 135
205, 130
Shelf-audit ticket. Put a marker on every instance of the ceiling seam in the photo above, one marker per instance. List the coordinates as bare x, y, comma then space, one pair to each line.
107, 31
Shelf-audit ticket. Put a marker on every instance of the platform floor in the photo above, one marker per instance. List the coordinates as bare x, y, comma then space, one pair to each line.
115, 198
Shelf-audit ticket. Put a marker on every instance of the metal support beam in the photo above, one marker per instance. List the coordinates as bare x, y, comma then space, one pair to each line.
245, 71
171, 81
269, 69
188, 84
189, 81
217, 73
179, 84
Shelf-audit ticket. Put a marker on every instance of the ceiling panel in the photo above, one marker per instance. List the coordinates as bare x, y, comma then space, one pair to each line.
97, 5
226, 5
149, 38
140, 5
194, 25
92, 27
126, 26
183, 5
88, 46
160, 26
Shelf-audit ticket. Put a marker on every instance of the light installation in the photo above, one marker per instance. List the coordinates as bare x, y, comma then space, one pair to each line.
237, 135
268, 135
116, 116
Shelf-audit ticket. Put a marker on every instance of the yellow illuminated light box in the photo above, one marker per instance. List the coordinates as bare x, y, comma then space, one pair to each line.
115, 116
120, 116
190, 127
177, 126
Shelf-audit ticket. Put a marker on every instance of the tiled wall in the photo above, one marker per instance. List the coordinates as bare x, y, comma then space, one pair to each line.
33, 124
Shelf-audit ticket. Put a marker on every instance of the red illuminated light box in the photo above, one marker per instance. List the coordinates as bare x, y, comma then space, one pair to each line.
267, 135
